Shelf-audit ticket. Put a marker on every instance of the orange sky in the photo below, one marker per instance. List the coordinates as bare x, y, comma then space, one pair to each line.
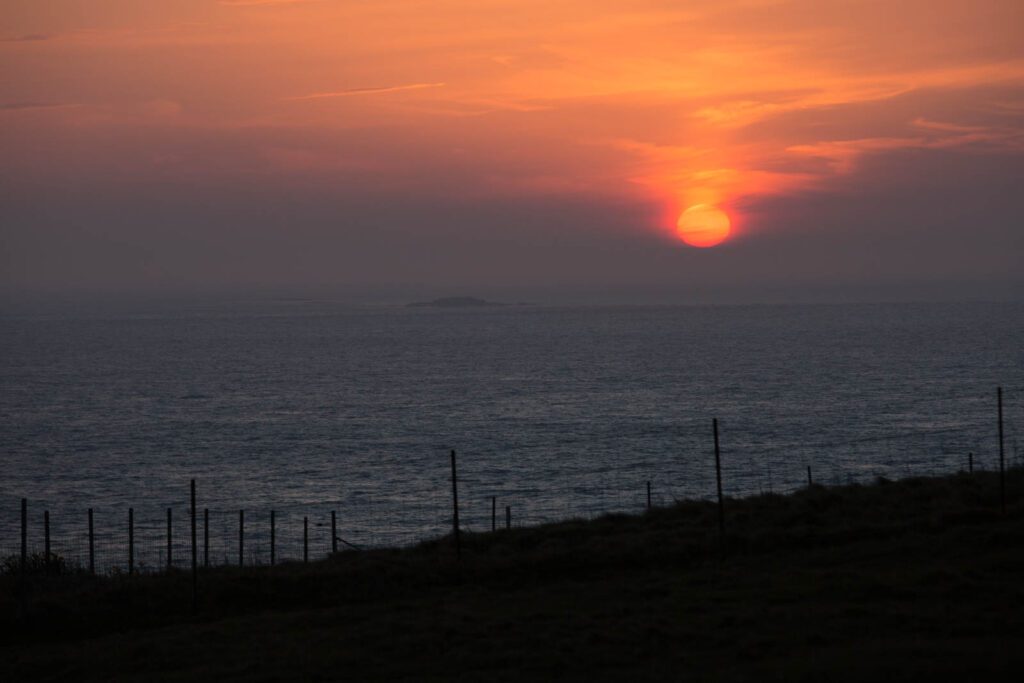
662, 104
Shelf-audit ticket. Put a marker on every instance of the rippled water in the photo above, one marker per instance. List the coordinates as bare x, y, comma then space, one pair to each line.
305, 407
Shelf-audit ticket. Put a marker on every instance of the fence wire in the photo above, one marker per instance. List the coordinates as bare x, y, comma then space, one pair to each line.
570, 486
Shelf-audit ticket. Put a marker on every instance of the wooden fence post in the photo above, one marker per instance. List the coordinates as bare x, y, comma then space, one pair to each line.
305, 540
92, 546
241, 538
334, 531
46, 538
206, 537
1002, 457
131, 541
170, 547
273, 532
195, 550
810, 479
508, 516
718, 478
494, 513
970, 462
24, 534
648, 495
455, 509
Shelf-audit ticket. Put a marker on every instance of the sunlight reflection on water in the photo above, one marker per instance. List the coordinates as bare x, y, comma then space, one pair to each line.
555, 411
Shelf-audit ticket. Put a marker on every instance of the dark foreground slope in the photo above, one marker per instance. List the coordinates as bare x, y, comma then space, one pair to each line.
911, 580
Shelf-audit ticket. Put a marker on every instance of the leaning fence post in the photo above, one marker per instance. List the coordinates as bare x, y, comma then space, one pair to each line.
24, 534
810, 479
169, 541
334, 531
455, 509
195, 549
305, 540
273, 531
508, 516
1002, 458
241, 538
46, 538
92, 546
718, 478
131, 541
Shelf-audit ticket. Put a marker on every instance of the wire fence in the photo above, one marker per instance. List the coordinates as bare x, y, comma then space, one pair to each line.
151, 538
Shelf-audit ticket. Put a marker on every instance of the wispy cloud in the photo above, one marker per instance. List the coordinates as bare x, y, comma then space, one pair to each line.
366, 91
18, 106
30, 38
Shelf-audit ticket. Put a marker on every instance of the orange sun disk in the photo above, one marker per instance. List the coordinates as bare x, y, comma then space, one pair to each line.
702, 225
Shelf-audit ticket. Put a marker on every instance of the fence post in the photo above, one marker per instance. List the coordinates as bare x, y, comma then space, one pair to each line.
334, 531
970, 462
508, 516
195, 549
24, 534
131, 541
92, 546
810, 479
46, 538
206, 537
718, 479
273, 532
305, 540
1002, 458
241, 538
494, 513
170, 547
648, 495
455, 509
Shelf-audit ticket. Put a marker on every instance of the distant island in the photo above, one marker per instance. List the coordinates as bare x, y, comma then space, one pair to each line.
454, 302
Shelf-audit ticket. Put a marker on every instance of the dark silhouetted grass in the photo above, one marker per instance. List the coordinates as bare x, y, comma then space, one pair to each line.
907, 580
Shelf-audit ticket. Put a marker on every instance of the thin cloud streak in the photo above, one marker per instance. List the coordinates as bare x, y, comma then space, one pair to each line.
365, 91
20, 106
30, 38
248, 3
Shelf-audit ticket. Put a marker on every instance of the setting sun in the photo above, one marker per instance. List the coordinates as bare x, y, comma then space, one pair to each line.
702, 225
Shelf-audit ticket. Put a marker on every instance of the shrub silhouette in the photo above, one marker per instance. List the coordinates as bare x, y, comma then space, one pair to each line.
36, 564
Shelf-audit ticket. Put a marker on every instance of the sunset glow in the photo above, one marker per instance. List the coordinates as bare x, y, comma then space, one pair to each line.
449, 110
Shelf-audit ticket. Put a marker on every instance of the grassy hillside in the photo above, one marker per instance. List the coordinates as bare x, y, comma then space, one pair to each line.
921, 578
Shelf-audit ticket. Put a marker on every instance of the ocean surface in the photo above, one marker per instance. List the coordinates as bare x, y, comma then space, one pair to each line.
306, 407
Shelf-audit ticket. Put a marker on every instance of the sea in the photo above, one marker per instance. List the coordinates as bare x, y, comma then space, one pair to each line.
306, 408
